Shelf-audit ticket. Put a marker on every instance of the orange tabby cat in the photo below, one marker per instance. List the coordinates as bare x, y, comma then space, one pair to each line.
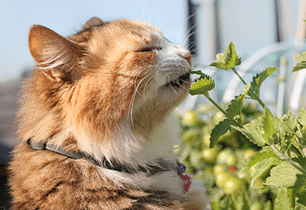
93, 121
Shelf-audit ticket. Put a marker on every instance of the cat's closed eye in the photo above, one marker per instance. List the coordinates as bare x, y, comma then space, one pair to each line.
150, 49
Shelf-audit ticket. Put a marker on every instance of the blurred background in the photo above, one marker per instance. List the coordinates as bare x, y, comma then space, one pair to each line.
265, 33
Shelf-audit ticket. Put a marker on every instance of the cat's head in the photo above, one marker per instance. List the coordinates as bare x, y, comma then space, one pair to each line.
105, 79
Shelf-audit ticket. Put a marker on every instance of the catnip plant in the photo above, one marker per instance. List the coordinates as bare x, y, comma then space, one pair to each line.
282, 140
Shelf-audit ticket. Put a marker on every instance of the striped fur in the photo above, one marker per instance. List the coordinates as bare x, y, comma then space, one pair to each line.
106, 91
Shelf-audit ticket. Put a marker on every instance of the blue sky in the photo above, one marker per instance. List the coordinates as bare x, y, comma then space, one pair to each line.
250, 24
67, 17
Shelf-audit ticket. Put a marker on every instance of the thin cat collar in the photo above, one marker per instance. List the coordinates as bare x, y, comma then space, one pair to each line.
109, 164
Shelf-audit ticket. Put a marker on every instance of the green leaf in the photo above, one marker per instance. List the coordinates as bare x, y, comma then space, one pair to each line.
300, 207
254, 132
294, 152
283, 175
268, 205
202, 86
281, 126
268, 125
228, 59
219, 65
299, 66
263, 188
220, 129
282, 201
199, 72
259, 79
300, 181
301, 161
235, 107
245, 201
265, 153
290, 120
262, 167
301, 59
302, 198
302, 116
215, 205
229, 202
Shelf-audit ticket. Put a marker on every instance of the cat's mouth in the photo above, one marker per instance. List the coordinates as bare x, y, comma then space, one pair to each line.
179, 82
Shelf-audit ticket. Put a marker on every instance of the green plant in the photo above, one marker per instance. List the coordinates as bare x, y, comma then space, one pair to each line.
280, 163
221, 176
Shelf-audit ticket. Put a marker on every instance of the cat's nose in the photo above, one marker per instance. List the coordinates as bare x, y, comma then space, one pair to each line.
189, 58
187, 55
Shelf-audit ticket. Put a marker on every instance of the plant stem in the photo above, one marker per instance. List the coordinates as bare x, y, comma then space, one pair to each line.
259, 101
287, 158
251, 93
222, 110
293, 197
234, 69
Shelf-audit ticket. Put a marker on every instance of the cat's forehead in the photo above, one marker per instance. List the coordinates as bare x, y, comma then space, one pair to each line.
126, 28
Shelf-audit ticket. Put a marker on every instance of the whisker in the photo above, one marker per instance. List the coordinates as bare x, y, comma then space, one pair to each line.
186, 39
144, 89
191, 44
158, 70
140, 84
184, 81
171, 85
130, 112
190, 16
130, 115
190, 34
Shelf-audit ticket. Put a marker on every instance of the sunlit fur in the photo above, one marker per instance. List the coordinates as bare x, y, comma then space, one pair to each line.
102, 92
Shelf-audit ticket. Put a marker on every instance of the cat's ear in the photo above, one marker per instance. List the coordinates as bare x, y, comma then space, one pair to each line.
50, 49
94, 21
